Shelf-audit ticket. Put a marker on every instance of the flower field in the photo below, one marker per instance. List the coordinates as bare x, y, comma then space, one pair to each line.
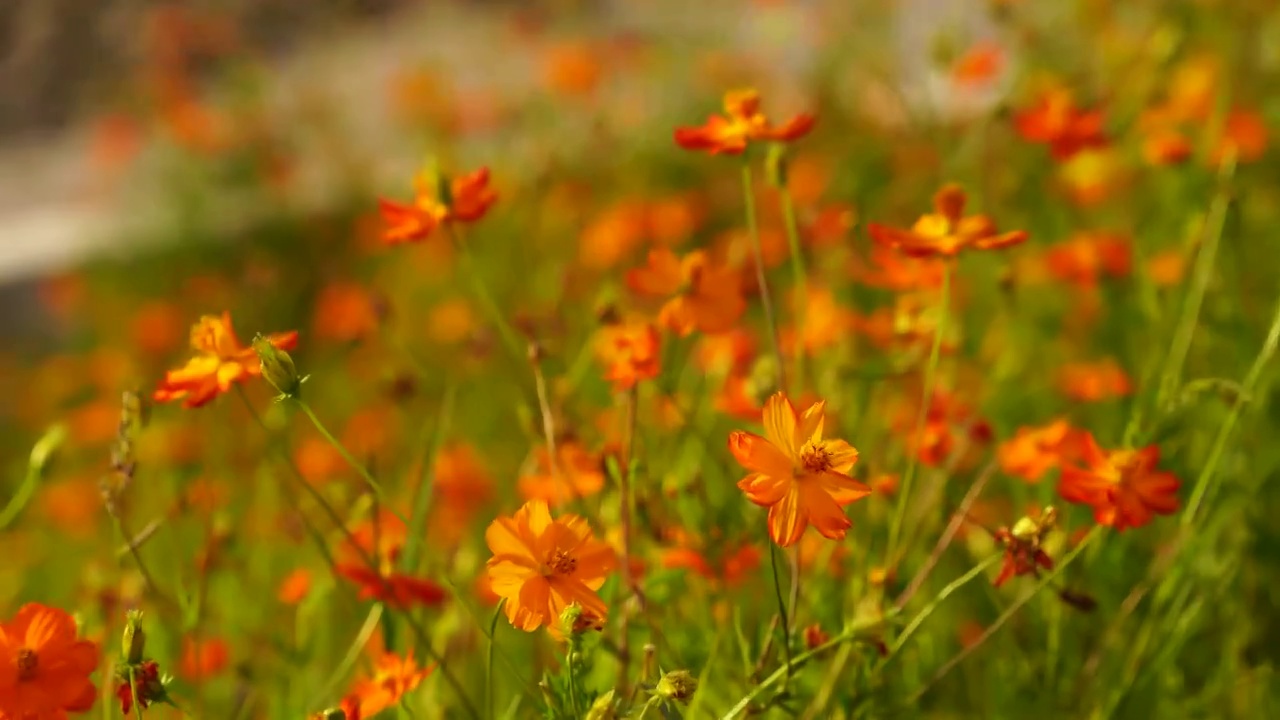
777, 359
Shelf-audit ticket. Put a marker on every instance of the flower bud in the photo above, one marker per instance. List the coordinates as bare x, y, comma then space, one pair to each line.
277, 367
133, 644
602, 708
677, 685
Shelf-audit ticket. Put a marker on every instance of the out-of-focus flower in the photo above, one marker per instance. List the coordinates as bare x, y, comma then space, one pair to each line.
542, 565
1033, 451
221, 361
802, 478
1055, 120
946, 231
47, 669
1086, 257
572, 69
1123, 487
1244, 133
575, 473
344, 313
396, 589
742, 123
463, 486
1091, 176
1095, 381
203, 658
630, 352
700, 295
437, 200
393, 677
295, 587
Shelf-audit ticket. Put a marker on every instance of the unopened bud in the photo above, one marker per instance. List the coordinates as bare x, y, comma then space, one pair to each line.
677, 685
277, 367
603, 708
134, 642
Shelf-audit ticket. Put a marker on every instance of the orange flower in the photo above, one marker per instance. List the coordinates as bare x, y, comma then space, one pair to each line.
1055, 120
802, 478
1096, 381
1031, 452
701, 296
295, 587
1086, 257
572, 69
892, 270
1167, 267
576, 474
46, 670
946, 231
1243, 131
1091, 176
221, 361
630, 352
345, 312
825, 322
744, 123
203, 658
936, 441
730, 567
541, 566
979, 65
468, 199
1123, 486
393, 678
464, 486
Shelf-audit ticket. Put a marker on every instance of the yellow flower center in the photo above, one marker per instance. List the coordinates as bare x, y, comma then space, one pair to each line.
560, 563
27, 662
815, 457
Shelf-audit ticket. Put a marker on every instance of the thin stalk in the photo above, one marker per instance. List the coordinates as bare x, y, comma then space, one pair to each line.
425, 490
798, 661
510, 337
766, 301
913, 461
782, 609
951, 587
1006, 615
564, 489
350, 459
133, 690
799, 281
489, 690
947, 535
625, 478
1224, 431
1202, 273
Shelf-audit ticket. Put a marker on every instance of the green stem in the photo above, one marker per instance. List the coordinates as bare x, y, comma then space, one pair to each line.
913, 461
426, 481
946, 592
489, 690
342, 450
570, 668
782, 609
766, 301
1202, 273
1007, 614
1209, 471
799, 281
510, 337
857, 628
133, 689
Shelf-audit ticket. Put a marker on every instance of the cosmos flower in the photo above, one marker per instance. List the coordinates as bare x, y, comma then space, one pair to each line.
436, 201
542, 565
220, 362
802, 478
742, 123
1123, 486
46, 670
699, 295
946, 231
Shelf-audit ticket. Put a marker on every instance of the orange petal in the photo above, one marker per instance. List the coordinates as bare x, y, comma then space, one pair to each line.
787, 520
780, 424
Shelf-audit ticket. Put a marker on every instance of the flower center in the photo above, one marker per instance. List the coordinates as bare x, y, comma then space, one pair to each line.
561, 563
27, 662
815, 458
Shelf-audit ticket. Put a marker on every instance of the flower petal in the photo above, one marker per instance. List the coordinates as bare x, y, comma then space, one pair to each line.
787, 519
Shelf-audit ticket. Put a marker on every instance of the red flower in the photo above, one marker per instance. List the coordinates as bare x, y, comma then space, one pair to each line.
397, 590
1123, 486
744, 123
1055, 120
946, 231
147, 681
466, 199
